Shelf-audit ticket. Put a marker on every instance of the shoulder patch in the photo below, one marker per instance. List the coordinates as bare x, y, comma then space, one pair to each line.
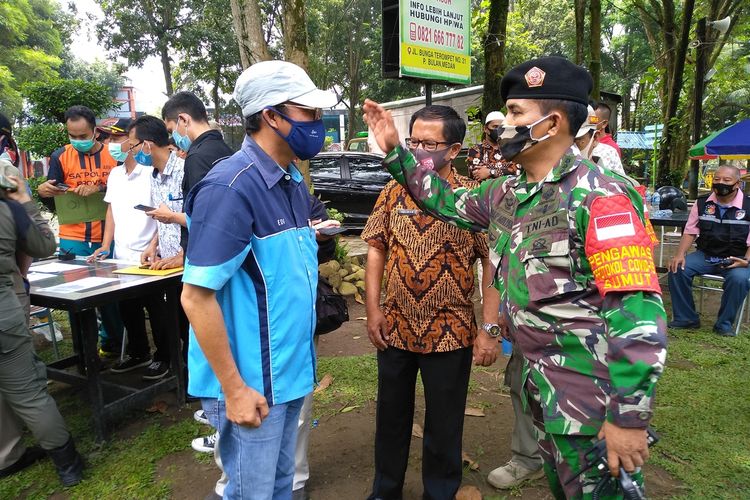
619, 247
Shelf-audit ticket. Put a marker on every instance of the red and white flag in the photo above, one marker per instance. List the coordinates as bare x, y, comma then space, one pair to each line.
614, 226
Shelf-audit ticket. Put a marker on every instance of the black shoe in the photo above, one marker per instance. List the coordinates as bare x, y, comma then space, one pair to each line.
156, 370
68, 463
29, 457
680, 325
725, 333
130, 364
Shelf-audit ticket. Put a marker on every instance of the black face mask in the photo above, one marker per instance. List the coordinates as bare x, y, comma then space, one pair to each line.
494, 134
723, 189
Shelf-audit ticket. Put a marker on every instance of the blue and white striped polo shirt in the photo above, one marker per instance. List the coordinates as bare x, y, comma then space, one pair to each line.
251, 241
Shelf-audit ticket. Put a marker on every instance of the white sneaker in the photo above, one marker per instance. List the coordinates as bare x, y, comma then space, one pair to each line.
200, 417
205, 444
512, 474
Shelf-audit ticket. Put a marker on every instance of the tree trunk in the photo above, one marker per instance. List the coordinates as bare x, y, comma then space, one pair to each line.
166, 66
295, 32
671, 157
494, 55
354, 88
595, 42
215, 92
247, 20
627, 88
580, 14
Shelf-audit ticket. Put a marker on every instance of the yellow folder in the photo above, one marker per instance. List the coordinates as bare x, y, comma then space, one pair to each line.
148, 272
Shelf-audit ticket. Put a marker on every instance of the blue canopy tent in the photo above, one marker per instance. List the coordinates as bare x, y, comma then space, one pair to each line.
731, 143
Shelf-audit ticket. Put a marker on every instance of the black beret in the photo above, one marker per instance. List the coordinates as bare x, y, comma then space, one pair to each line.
550, 77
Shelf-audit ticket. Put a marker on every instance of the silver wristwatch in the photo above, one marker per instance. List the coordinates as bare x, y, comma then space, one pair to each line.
492, 329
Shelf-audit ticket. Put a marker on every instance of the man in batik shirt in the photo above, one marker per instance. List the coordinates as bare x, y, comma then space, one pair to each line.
484, 160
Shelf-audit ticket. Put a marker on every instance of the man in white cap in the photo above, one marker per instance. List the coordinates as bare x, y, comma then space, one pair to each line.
485, 160
250, 281
586, 138
594, 129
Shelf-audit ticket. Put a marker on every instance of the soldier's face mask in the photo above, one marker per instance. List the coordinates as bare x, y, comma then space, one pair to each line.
515, 139
723, 189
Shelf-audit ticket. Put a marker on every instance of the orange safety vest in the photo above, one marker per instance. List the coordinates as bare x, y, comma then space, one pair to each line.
71, 167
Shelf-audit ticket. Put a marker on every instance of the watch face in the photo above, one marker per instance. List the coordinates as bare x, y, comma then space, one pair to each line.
492, 330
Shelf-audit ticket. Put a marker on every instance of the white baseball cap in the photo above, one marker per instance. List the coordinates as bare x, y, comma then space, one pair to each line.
494, 115
269, 83
591, 123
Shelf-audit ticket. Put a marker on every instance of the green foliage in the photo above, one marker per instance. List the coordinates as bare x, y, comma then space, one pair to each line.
103, 73
34, 183
41, 139
49, 100
33, 33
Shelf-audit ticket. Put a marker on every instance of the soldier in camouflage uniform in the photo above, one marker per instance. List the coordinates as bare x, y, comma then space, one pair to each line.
575, 272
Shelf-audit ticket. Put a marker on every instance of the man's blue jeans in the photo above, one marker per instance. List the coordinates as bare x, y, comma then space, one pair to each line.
258, 460
736, 286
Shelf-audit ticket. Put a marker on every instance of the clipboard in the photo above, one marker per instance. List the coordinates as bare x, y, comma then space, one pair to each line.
73, 209
147, 272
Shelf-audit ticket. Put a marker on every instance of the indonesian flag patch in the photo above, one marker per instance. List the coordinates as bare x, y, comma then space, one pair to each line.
619, 248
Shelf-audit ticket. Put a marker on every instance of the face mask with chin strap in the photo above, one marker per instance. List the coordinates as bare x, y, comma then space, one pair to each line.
515, 139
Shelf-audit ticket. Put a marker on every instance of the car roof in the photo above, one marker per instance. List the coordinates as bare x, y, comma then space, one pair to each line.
351, 154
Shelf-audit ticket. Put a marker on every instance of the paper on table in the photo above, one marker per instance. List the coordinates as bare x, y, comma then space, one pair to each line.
78, 285
56, 267
33, 277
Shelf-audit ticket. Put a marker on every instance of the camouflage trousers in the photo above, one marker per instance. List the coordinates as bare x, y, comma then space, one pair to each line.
564, 457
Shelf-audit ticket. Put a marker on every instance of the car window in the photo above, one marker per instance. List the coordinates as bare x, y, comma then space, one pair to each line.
368, 170
325, 168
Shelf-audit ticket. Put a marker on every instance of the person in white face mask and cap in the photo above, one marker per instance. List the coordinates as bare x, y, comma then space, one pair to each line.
587, 141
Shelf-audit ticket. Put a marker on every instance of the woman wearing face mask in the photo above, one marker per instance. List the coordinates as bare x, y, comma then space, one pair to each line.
485, 160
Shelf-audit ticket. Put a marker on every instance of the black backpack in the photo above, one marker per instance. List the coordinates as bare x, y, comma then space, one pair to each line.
331, 309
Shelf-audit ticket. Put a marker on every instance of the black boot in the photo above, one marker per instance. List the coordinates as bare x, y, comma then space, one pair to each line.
30, 455
68, 463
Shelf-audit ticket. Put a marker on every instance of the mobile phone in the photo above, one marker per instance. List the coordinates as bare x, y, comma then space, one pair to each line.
332, 231
63, 186
145, 266
145, 208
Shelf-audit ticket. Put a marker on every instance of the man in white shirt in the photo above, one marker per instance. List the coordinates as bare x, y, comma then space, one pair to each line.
132, 230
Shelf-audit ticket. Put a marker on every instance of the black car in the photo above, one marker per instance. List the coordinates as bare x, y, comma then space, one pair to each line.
350, 182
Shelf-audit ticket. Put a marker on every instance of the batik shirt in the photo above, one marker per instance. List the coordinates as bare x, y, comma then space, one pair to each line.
166, 187
488, 155
429, 272
577, 281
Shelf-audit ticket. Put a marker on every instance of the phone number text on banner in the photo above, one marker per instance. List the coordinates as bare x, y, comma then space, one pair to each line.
436, 40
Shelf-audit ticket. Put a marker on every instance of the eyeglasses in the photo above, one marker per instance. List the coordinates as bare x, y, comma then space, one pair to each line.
131, 148
318, 112
413, 143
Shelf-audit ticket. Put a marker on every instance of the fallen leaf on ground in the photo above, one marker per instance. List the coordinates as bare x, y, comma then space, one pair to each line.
324, 383
416, 431
361, 318
468, 492
348, 409
158, 406
474, 412
468, 461
356, 337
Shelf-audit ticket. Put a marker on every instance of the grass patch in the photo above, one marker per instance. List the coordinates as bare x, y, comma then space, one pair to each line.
355, 382
703, 414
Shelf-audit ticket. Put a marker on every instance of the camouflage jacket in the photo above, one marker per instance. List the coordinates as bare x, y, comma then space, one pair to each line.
591, 355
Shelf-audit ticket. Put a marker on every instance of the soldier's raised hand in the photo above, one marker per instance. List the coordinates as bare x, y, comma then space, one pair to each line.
381, 123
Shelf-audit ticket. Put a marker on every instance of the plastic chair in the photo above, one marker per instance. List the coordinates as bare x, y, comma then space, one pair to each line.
702, 285
43, 312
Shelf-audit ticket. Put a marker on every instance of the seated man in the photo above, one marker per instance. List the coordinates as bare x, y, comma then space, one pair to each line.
721, 225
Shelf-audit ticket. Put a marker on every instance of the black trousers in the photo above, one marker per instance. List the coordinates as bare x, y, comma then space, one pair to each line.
134, 319
445, 377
